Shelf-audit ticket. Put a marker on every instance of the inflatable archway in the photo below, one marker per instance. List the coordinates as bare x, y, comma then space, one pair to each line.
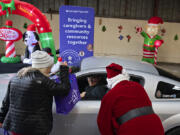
35, 15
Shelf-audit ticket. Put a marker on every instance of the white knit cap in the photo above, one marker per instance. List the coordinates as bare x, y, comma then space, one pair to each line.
41, 59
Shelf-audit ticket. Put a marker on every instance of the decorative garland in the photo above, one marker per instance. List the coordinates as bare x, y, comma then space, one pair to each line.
121, 37
25, 25
176, 37
120, 27
16, 59
103, 28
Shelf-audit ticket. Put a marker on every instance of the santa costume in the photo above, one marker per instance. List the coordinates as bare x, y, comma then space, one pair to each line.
148, 47
126, 109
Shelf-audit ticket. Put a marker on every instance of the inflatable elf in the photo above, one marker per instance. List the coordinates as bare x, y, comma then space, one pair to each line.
152, 41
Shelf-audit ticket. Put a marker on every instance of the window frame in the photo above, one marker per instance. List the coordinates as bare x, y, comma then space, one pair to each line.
102, 74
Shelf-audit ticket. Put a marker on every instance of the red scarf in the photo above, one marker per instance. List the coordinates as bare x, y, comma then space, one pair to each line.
35, 43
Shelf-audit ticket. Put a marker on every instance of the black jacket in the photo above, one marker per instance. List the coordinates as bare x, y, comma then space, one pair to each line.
27, 106
95, 92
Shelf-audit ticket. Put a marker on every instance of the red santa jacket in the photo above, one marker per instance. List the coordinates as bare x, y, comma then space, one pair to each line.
123, 97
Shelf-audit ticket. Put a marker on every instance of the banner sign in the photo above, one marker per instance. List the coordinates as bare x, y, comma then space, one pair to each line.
10, 34
76, 33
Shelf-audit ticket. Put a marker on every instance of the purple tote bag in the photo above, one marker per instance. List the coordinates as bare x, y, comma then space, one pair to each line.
3, 132
65, 104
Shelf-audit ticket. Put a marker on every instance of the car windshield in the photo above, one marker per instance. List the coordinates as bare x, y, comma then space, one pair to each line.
167, 73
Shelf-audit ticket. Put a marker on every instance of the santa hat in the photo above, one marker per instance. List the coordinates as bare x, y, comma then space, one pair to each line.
31, 27
115, 74
155, 20
113, 70
9, 23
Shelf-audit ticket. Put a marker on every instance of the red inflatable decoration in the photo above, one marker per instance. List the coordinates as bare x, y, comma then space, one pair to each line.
32, 13
35, 15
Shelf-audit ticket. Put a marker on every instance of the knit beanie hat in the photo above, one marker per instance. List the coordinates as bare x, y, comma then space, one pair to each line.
41, 59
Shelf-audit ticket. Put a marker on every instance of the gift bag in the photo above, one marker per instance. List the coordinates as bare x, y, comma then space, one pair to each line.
65, 104
3, 132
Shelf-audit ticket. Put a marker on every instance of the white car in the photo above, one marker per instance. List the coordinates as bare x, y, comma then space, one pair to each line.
162, 87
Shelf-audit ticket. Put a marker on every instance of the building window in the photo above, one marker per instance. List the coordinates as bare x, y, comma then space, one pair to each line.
46, 6
129, 9
169, 10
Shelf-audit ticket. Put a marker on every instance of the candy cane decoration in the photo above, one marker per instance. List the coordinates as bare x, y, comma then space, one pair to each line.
10, 35
157, 44
10, 49
155, 55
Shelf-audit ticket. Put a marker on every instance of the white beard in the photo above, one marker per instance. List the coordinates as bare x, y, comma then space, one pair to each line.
115, 80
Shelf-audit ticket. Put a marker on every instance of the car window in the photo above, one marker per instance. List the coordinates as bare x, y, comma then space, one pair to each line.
94, 86
167, 90
138, 79
102, 87
83, 82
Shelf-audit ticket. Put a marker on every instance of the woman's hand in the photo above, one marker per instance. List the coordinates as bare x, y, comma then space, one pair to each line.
64, 63
83, 94
56, 67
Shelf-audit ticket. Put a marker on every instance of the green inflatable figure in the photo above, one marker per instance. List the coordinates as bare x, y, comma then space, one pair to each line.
150, 37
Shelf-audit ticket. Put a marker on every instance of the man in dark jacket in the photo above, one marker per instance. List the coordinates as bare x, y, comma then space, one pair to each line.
96, 90
27, 106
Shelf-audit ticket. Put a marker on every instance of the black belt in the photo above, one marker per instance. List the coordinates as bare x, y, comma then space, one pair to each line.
135, 113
